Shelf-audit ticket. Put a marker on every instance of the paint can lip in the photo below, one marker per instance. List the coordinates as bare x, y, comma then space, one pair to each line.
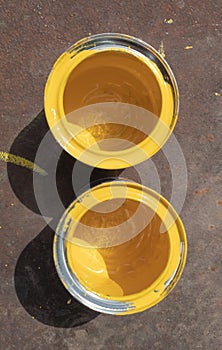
55, 86
136, 302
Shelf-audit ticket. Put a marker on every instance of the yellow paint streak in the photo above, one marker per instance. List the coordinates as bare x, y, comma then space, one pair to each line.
188, 47
161, 49
11, 158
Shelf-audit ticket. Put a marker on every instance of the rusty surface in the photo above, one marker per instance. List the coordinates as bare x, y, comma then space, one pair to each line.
35, 310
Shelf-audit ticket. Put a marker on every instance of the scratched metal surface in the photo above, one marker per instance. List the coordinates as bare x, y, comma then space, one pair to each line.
35, 310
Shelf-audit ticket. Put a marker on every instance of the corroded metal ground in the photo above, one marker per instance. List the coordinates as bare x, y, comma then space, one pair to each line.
35, 310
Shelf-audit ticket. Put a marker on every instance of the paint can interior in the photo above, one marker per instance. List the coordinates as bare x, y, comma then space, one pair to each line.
111, 101
120, 248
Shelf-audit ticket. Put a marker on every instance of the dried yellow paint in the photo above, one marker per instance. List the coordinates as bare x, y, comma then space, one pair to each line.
168, 21
188, 47
217, 94
161, 49
11, 158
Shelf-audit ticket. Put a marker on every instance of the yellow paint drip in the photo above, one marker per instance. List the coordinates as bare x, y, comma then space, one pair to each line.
20, 161
91, 268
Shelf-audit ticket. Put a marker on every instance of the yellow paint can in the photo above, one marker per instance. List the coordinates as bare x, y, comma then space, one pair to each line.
111, 101
120, 248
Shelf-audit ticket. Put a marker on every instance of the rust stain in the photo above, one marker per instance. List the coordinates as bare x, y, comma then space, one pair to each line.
201, 192
219, 202
202, 140
210, 137
211, 227
213, 268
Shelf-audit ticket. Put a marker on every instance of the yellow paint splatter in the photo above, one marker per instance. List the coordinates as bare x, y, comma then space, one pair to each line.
20, 161
161, 49
216, 94
168, 21
188, 47
69, 301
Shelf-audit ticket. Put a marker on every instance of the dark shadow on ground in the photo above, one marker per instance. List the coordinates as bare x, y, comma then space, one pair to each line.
26, 145
36, 282
39, 289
